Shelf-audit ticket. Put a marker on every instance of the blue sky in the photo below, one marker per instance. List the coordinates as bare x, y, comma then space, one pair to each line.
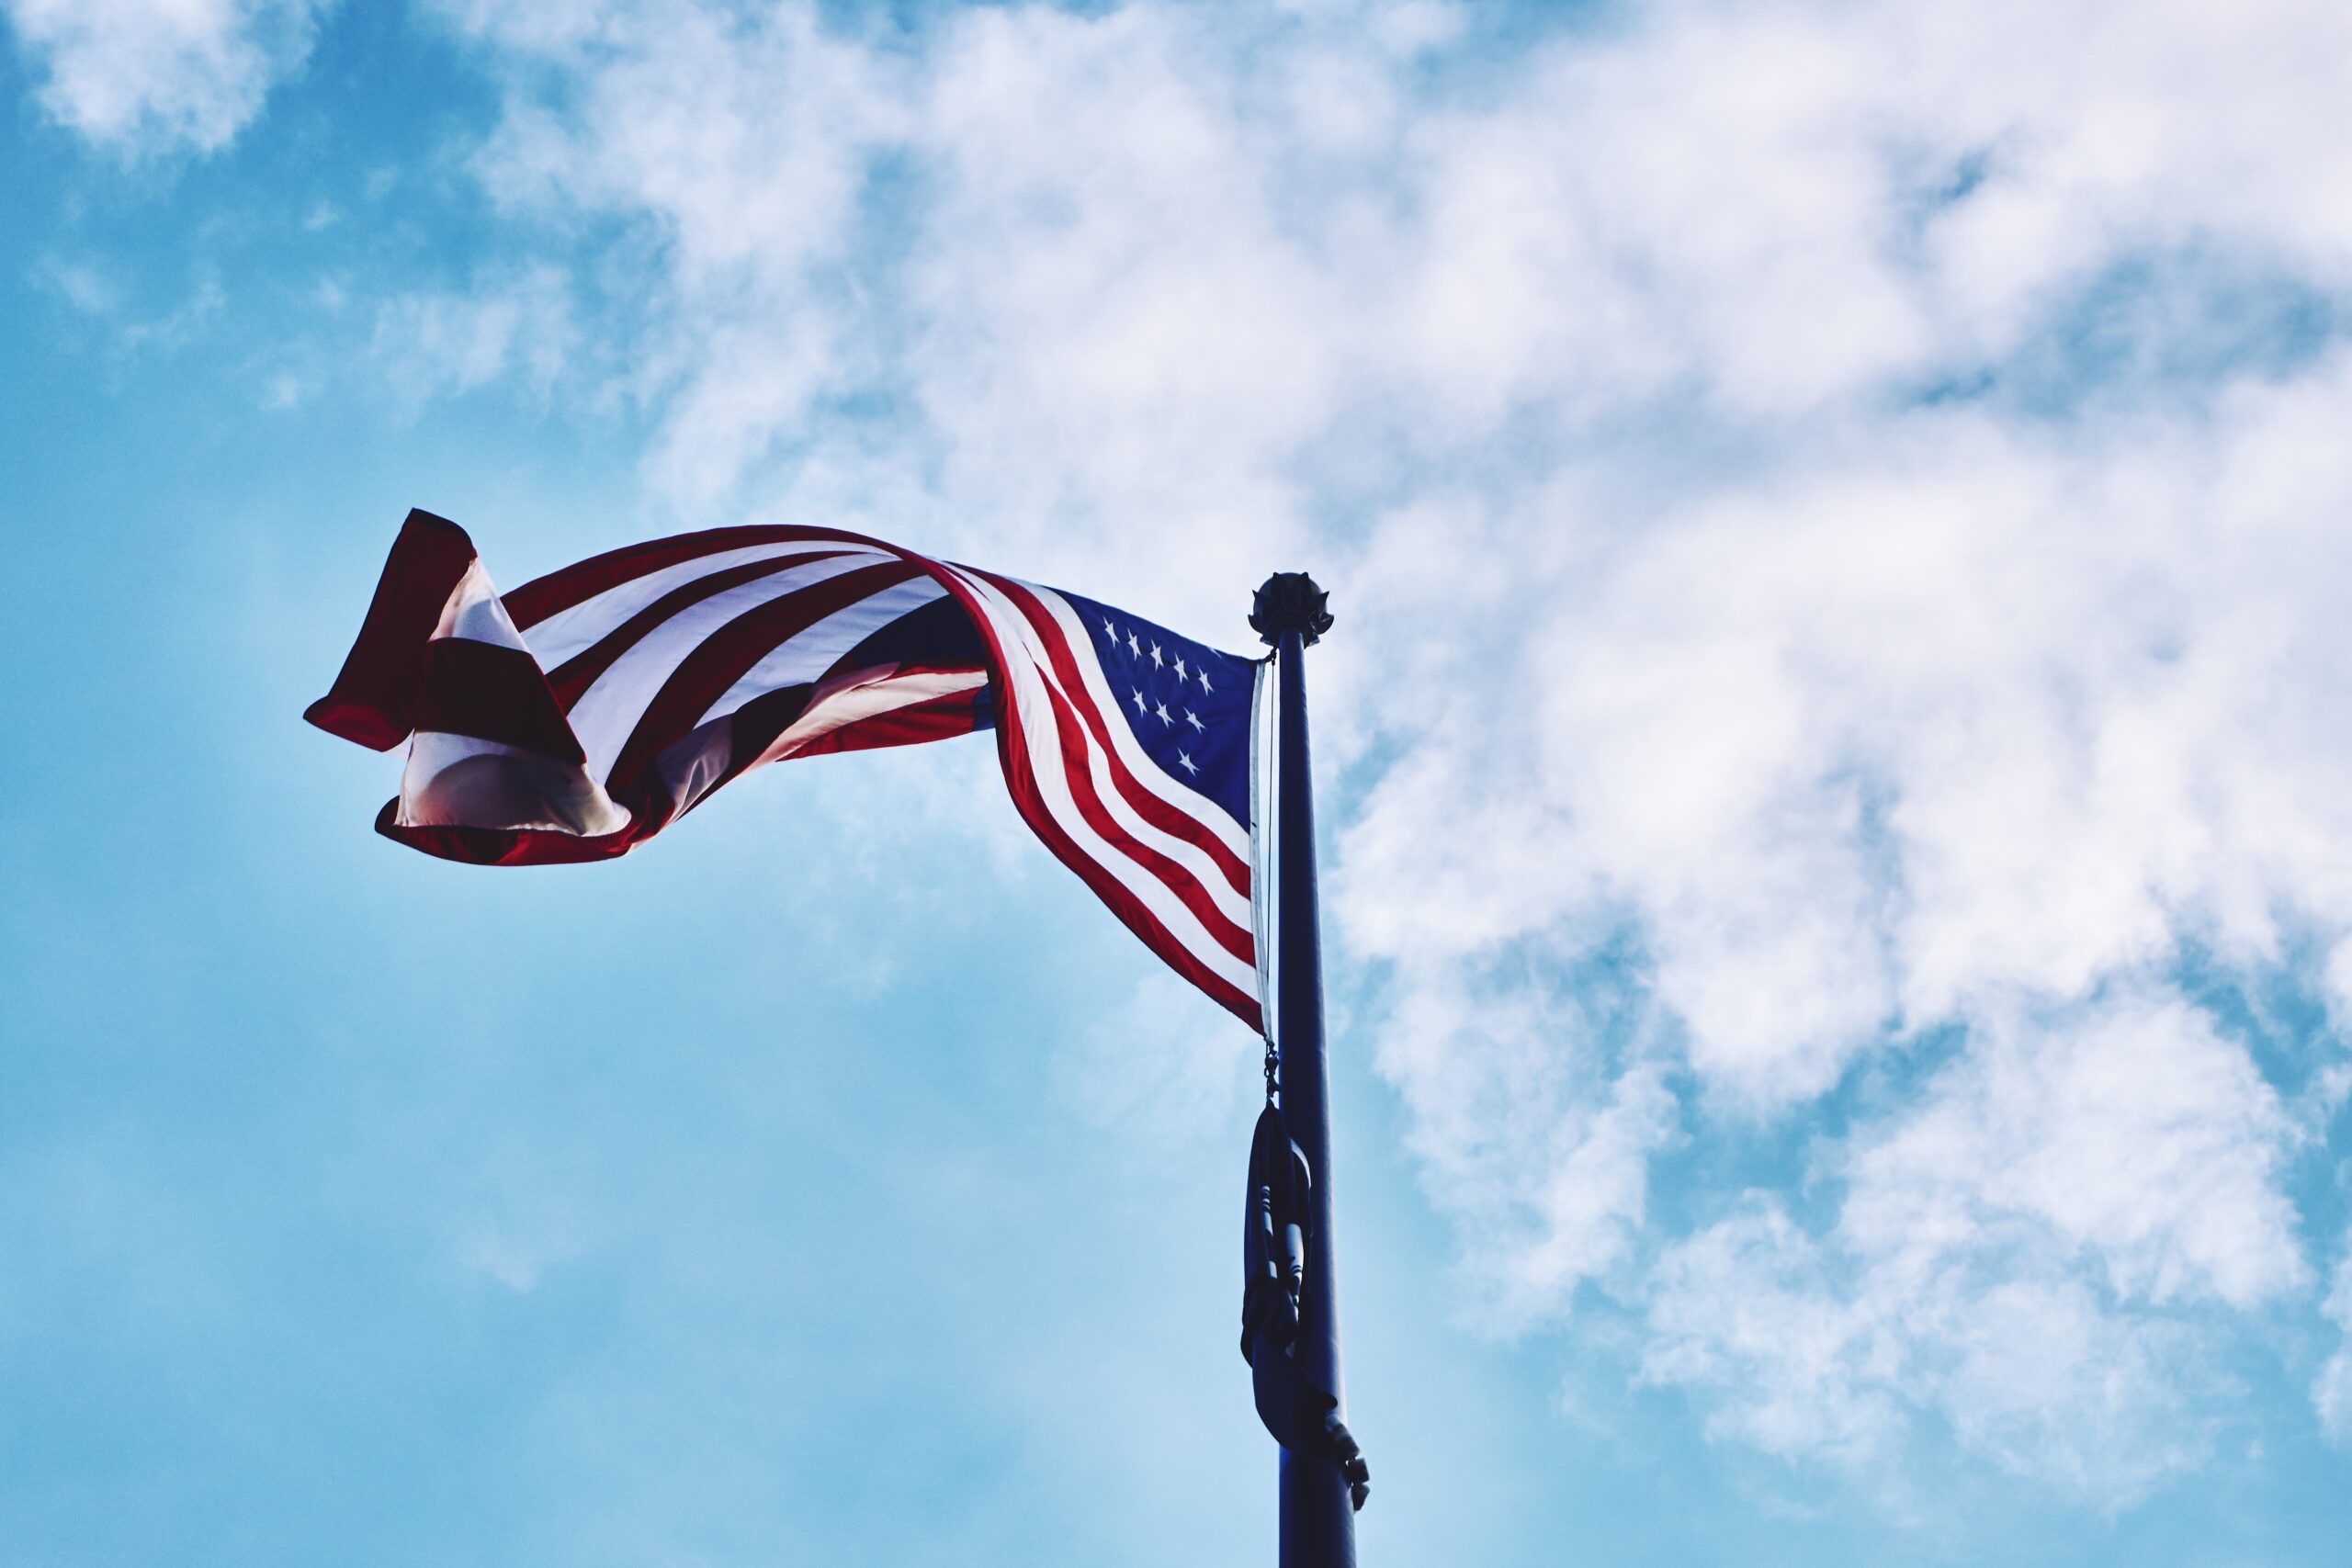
1832, 777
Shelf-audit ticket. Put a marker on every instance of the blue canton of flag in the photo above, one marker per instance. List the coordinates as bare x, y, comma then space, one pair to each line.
1187, 704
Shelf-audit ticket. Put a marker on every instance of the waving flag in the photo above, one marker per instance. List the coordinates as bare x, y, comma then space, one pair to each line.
582, 714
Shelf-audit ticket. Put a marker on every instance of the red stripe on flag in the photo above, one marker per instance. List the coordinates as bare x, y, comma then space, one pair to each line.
1012, 751
726, 655
506, 846
374, 698
578, 672
493, 694
936, 718
559, 591
1152, 808
1179, 879
1115, 895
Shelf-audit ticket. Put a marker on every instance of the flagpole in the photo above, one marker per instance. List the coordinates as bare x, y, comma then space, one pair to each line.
1317, 1520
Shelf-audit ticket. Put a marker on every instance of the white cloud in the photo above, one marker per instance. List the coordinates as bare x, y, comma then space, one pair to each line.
2126, 1132
1836, 513
1544, 1152
1151, 1072
516, 1259
445, 343
2128, 1138
142, 76
2331, 1395
1812, 1357
737, 144
1747, 1305
84, 284
1909, 728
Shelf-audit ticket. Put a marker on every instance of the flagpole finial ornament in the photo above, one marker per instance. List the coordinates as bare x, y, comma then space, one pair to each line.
1290, 602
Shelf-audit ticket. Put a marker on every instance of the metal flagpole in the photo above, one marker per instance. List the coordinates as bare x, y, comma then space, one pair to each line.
1317, 1520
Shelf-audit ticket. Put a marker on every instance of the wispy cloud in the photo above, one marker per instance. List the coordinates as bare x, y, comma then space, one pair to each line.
2019, 1254
1836, 513
446, 343
1833, 513
143, 77
2331, 1395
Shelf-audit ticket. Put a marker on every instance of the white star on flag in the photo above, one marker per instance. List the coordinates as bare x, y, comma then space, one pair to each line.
1184, 761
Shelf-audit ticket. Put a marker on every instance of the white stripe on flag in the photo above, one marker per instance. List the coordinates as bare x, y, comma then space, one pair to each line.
1155, 779
607, 712
463, 781
1101, 768
473, 612
571, 631
807, 656
869, 697
1048, 767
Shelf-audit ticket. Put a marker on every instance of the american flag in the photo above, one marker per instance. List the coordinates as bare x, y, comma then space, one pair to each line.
582, 714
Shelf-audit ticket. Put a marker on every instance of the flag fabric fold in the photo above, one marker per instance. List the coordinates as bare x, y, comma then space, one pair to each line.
582, 714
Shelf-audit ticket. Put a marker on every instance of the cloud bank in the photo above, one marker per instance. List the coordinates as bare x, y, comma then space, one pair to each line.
141, 77
1838, 519
1837, 524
